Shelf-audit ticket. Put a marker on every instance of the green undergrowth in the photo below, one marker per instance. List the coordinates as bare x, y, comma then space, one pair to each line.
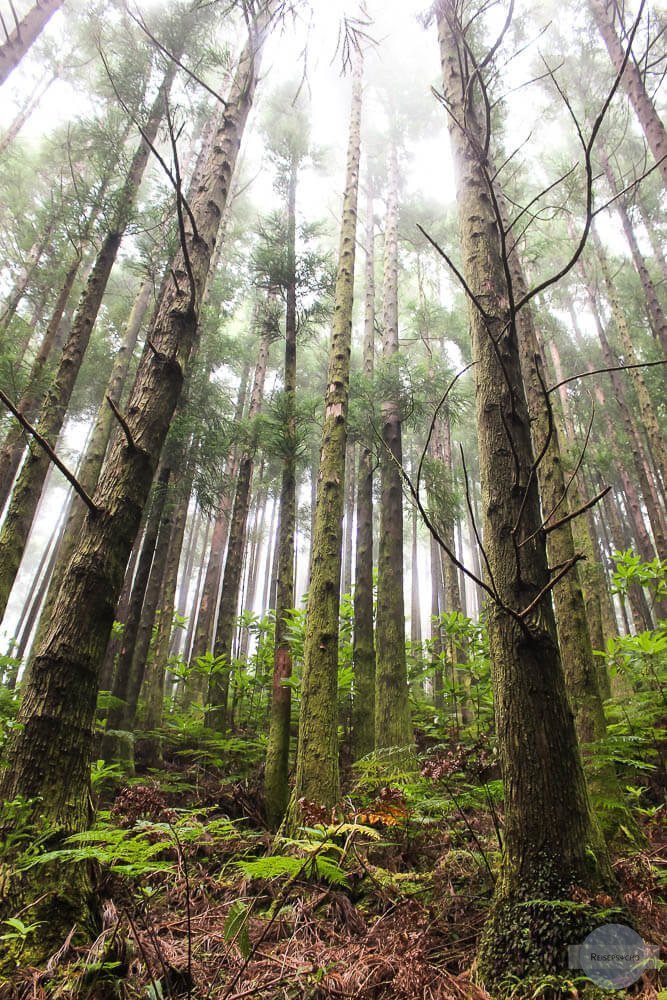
195, 898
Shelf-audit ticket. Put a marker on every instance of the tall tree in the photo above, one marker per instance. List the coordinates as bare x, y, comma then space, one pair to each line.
551, 840
363, 706
317, 775
294, 133
216, 715
59, 703
393, 727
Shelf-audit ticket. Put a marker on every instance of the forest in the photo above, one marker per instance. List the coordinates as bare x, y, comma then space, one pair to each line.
333, 500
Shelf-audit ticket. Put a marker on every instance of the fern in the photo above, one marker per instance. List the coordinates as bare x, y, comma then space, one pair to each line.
277, 866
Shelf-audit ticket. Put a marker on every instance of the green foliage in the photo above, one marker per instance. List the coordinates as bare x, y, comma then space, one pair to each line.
236, 927
631, 570
21, 837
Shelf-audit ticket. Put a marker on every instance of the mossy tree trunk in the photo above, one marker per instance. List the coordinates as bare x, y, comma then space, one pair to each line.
277, 750
28, 488
155, 670
317, 776
552, 840
49, 756
89, 470
393, 726
436, 632
363, 706
582, 676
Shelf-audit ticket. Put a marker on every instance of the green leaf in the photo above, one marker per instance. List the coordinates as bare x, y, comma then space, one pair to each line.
236, 927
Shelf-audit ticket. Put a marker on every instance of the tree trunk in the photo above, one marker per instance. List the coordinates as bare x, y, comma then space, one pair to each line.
203, 640
24, 278
26, 111
604, 12
31, 399
89, 470
277, 750
436, 633
415, 607
317, 776
581, 672
118, 715
655, 314
363, 705
552, 840
25, 33
28, 488
637, 450
348, 521
59, 705
646, 408
154, 674
216, 715
393, 726
654, 238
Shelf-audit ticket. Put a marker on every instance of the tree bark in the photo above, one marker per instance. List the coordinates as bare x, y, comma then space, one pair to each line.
582, 677
28, 488
654, 311
552, 840
363, 705
277, 750
89, 469
603, 13
25, 33
50, 753
393, 725
317, 775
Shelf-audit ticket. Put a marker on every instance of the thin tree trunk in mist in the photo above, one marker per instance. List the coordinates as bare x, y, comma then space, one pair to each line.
27, 271
216, 715
117, 715
25, 113
656, 316
24, 34
604, 14
203, 639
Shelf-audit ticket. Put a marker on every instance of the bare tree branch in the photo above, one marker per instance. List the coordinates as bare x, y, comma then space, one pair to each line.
43, 443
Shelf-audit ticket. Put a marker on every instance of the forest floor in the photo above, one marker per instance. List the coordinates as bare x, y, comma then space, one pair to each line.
197, 899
